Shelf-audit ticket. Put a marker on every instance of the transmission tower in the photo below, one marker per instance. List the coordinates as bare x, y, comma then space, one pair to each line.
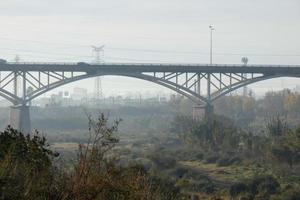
99, 54
17, 81
245, 88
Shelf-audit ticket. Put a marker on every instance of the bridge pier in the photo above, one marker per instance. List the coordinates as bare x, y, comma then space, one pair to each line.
209, 111
198, 112
20, 118
201, 112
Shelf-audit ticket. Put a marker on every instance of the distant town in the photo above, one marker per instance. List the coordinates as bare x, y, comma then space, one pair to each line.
81, 97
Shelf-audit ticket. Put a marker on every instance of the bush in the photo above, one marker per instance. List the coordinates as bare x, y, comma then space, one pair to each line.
260, 188
179, 172
291, 194
163, 161
199, 156
212, 158
27, 171
204, 185
238, 188
25, 166
223, 162
235, 160
246, 196
265, 185
207, 186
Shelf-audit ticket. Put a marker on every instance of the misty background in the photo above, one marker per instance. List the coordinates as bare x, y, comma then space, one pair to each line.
168, 31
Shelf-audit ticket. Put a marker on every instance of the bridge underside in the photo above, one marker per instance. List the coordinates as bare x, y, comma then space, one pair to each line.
203, 88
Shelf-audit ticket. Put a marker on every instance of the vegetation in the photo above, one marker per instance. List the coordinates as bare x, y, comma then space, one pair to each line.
252, 153
27, 167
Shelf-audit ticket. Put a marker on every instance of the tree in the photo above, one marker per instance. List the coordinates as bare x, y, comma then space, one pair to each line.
97, 175
277, 127
286, 148
25, 165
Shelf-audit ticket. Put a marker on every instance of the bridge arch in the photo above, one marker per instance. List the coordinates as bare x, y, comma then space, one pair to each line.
219, 94
195, 97
9, 96
168, 84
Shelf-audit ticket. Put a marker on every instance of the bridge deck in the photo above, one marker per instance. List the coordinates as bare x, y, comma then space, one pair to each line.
143, 67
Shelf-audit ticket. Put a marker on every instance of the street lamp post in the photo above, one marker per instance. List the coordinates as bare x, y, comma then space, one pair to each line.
211, 42
209, 108
211, 57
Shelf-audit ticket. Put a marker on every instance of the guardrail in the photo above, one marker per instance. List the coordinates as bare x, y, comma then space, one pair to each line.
148, 64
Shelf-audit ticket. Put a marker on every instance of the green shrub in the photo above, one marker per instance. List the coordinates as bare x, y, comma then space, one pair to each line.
223, 162
163, 161
265, 185
212, 158
199, 156
227, 161
25, 166
291, 194
27, 171
179, 172
238, 188
246, 196
204, 185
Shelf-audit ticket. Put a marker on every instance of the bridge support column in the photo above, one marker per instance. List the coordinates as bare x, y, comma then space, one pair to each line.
209, 111
198, 112
20, 118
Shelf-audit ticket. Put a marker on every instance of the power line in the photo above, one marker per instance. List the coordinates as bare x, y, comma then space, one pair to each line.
156, 50
44, 42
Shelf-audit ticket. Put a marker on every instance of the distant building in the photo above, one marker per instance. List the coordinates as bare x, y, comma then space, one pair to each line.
66, 94
79, 94
163, 100
297, 88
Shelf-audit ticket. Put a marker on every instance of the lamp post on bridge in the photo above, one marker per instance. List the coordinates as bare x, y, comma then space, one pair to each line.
209, 108
211, 61
211, 43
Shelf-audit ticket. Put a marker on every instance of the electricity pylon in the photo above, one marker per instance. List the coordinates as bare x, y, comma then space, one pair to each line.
245, 88
99, 53
16, 79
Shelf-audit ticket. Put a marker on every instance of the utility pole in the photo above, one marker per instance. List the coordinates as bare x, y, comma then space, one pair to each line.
211, 43
211, 62
245, 88
99, 52
209, 107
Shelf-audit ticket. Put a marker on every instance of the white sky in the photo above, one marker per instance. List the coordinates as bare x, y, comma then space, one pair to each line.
266, 31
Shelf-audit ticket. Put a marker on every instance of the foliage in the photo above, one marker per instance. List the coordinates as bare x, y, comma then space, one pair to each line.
96, 175
277, 127
264, 185
261, 186
286, 148
238, 188
289, 193
226, 161
219, 133
25, 165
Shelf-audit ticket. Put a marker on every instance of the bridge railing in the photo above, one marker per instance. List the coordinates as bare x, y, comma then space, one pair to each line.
147, 64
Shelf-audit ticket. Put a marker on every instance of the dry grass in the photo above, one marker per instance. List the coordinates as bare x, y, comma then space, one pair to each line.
226, 175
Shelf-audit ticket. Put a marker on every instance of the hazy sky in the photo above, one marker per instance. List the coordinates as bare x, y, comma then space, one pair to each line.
266, 31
